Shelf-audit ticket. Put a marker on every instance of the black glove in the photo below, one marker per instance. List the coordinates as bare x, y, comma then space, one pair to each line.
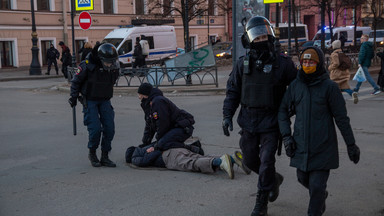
72, 101
227, 123
354, 153
289, 145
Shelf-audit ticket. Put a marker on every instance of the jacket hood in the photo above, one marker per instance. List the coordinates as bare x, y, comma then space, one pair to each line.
155, 92
320, 69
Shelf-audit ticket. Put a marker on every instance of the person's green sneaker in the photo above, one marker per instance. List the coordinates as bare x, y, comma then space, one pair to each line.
226, 165
238, 157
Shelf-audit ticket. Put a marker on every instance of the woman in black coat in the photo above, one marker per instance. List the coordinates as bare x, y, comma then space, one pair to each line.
317, 103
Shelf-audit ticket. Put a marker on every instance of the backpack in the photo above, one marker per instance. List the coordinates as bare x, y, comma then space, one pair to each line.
345, 62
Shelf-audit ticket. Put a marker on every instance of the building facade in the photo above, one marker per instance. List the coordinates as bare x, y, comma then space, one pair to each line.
53, 24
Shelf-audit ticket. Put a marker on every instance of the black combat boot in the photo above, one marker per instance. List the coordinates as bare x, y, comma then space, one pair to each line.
104, 160
261, 206
93, 158
274, 193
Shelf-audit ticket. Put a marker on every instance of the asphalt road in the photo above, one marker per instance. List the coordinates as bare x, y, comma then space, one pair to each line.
45, 171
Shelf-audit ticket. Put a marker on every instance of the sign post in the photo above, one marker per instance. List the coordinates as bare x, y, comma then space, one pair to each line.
85, 20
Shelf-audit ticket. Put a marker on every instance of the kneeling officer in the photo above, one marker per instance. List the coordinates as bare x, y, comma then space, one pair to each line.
95, 79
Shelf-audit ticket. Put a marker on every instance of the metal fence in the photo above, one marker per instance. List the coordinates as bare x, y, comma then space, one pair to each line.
168, 76
353, 56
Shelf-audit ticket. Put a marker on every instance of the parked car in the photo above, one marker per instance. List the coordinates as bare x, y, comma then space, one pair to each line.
305, 45
226, 54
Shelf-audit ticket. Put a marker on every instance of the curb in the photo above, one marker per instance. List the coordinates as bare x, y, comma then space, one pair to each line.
31, 77
166, 90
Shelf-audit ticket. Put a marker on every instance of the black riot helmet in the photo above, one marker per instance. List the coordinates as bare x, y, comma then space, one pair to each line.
258, 26
108, 56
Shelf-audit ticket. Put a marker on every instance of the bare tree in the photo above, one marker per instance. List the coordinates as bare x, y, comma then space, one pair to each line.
376, 14
356, 5
177, 8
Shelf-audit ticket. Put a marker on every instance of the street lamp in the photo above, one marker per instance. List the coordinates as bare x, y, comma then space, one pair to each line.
35, 68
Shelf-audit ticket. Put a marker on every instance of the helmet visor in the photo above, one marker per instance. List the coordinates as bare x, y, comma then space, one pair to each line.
258, 31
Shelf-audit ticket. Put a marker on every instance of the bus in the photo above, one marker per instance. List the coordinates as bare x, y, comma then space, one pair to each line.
301, 33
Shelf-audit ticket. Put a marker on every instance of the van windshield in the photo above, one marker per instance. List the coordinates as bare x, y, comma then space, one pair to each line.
318, 36
115, 41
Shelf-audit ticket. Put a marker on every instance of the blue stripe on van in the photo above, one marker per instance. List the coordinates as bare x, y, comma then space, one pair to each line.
152, 53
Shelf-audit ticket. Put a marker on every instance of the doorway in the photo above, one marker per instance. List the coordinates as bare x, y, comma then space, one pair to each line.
45, 45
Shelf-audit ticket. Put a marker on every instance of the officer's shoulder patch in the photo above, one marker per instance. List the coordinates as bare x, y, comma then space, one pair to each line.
155, 116
78, 70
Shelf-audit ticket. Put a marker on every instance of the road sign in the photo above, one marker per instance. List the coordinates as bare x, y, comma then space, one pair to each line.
85, 20
273, 1
82, 5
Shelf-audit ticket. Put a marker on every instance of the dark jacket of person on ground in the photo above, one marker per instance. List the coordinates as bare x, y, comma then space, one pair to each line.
162, 116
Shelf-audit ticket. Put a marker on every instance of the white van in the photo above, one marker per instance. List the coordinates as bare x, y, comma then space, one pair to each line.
379, 37
161, 39
301, 33
347, 32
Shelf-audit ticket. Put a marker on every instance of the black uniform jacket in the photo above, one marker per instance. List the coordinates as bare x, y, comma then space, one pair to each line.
162, 115
317, 102
251, 119
92, 82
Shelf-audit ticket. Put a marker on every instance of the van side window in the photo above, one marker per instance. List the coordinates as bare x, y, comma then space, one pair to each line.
150, 42
126, 47
358, 34
344, 33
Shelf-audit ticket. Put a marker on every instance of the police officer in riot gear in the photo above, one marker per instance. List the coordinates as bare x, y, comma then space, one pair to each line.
94, 80
257, 83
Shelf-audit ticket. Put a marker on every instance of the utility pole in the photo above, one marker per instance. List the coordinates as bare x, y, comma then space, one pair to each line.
34, 68
186, 28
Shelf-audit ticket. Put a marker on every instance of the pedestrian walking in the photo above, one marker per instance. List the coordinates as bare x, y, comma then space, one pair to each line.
339, 70
93, 86
312, 146
258, 82
138, 55
86, 50
145, 48
52, 55
66, 58
365, 56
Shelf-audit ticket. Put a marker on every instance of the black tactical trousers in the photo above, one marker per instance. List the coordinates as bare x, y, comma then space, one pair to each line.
316, 182
259, 155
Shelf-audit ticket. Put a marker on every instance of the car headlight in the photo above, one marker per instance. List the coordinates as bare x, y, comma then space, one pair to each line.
382, 42
220, 54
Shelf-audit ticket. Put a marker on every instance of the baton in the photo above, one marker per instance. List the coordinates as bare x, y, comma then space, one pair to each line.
74, 120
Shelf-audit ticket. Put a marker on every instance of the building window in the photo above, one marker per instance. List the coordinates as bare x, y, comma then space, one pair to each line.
43, 5
211, 7
6, 54
5, 4
166, 7
108, 6
139, 7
